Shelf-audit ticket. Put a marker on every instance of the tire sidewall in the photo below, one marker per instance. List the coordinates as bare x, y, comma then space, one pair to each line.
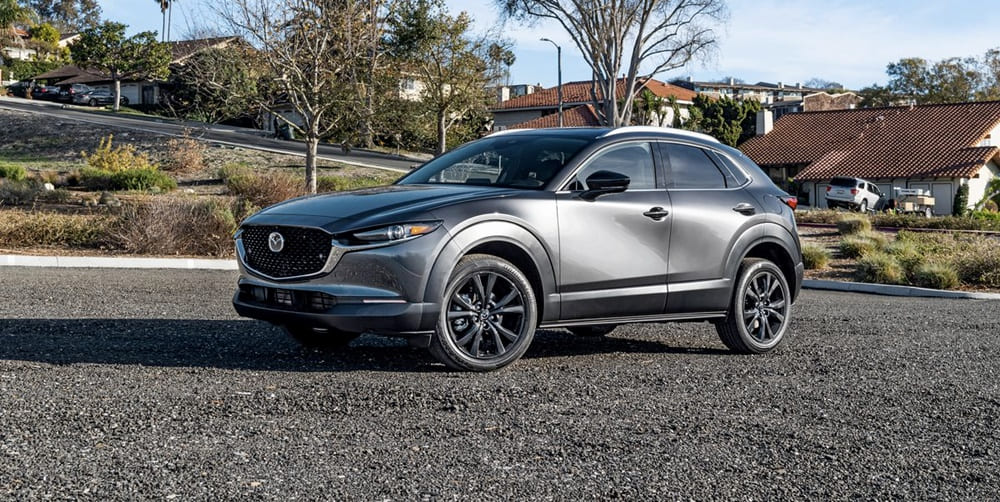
442, 337
748, 274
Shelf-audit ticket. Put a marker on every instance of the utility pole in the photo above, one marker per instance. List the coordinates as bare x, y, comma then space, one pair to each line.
559, 70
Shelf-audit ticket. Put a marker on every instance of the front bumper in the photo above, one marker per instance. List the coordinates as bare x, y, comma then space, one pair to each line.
285, 305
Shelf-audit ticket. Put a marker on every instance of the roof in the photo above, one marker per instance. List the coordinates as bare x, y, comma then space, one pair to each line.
579, 93
66, 71
759, 86
183, 49
928, 141
578, 116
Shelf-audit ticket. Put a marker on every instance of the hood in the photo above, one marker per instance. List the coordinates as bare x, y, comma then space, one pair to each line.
340, 211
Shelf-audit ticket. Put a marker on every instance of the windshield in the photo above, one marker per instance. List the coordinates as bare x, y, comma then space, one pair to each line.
516, 161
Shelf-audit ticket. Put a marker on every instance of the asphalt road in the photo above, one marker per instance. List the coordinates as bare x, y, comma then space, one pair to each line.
125, 384
247, 138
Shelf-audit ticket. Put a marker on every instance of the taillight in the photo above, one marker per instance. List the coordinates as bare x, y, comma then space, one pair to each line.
828, 188
854, 191
790, 201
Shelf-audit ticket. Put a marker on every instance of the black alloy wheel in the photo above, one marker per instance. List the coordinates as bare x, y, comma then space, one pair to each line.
488, 315
758, 315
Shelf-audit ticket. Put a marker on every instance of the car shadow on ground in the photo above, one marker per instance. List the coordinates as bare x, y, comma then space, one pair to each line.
254, 345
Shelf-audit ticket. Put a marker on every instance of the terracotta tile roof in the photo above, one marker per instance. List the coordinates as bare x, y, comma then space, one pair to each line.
579, 93
928, 141
579, 116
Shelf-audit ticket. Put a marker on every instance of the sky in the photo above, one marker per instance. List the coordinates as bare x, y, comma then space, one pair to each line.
846, 41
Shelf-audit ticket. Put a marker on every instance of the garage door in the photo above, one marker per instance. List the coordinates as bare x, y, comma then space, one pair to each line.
942, 193
821, 196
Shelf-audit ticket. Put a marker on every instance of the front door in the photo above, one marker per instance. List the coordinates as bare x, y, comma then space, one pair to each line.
613, 250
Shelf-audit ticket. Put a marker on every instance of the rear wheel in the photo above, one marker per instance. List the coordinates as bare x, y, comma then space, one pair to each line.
93, 102
320, 338
597, 330
758, 315
863, 207
488, 315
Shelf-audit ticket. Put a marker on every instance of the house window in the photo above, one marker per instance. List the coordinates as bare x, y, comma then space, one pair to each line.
987, 141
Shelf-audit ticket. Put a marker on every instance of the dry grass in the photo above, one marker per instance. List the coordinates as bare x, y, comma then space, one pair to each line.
175, 226
31, 228
185, 155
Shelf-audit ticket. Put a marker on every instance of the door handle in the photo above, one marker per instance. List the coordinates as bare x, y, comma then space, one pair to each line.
745, 208
656, 213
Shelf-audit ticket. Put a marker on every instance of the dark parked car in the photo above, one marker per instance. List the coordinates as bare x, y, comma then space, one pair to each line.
581, 228
68, 93
97, 98
19, 89
45, 92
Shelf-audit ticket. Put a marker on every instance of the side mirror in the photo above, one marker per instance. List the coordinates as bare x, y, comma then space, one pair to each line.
605, 182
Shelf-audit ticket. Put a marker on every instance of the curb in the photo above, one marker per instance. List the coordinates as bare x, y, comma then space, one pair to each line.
890, 290
115, 262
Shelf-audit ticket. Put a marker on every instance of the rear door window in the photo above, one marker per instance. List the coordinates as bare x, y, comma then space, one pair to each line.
690, 167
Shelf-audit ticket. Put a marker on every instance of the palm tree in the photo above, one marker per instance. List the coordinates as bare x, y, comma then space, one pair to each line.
165, 5
12, 14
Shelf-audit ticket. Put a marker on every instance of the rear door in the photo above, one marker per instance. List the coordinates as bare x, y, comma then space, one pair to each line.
613, 250
710, 211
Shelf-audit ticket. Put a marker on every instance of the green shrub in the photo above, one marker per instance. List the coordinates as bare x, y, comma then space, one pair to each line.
861, 244
342, 183
851, 224
979, 266
879, 267
14, 193
121, 158
815, 257
936, 276
12, 172
142, 179
92, 178
908, 255
961, 202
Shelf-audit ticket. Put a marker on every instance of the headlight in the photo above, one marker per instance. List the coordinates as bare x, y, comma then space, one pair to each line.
393, 233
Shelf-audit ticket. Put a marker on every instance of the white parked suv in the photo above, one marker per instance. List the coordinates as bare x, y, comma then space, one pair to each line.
852, 193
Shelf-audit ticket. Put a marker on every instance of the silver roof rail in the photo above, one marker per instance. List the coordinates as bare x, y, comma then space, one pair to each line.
671, 130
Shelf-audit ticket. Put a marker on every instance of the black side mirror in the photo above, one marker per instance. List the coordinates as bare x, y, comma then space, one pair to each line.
605, 182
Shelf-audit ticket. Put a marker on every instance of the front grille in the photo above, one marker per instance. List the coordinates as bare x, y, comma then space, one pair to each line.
305, 252
290, 299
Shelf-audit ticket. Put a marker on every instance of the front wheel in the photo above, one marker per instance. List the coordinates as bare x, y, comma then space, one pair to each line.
93, 102
758, 314
320, 338
488, 315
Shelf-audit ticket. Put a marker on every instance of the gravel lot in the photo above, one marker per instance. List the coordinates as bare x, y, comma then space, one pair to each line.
143, 384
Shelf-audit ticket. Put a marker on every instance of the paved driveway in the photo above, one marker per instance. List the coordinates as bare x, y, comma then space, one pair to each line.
142, 384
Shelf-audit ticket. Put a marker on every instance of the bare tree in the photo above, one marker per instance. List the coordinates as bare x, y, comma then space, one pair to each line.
313, 50
632, 38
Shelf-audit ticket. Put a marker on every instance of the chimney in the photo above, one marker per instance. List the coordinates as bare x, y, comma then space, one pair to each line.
732, 81
503, 93
780, 85
690, 78
798, 84
765, 122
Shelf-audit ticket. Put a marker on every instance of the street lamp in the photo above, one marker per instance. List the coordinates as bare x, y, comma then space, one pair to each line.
559, 66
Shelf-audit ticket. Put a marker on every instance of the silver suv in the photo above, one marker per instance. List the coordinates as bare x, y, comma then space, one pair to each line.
853, 193
576, 228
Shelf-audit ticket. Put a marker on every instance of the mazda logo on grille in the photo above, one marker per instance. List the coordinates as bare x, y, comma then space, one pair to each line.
275, 242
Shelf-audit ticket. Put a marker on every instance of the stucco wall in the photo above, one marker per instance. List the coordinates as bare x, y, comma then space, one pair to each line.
977, 186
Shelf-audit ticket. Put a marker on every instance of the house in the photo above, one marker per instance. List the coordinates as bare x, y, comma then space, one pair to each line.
17, 48
815, 102
937, 148
764, 92
527, 109
138, 92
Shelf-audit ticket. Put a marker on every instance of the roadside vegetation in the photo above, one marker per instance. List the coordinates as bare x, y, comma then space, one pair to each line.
939, 260
986, 219
182, 198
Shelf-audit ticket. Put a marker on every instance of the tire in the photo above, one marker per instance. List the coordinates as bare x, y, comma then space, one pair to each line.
320, 338
123, 102
756, 325
863, 207
469, 338
93, 102
596, 330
